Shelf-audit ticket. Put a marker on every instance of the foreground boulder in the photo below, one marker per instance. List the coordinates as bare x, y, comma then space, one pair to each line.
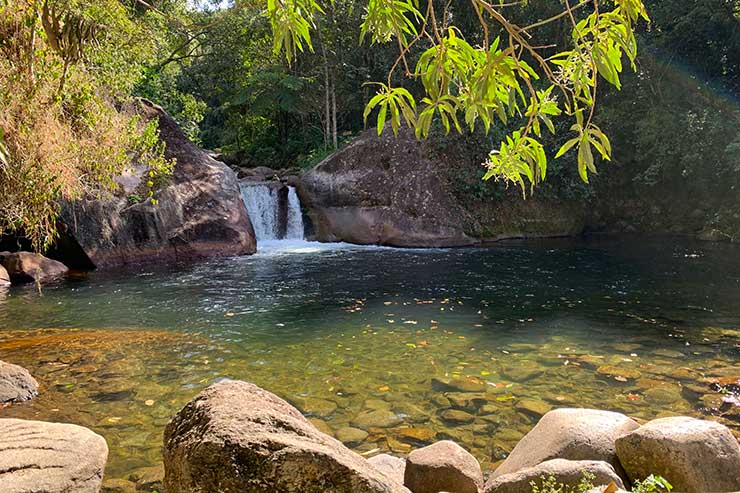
200, 213
16, 384
236, 437
50, 457
443, 466
4, 277
573, 434
393, 467
693, 455
25, 267
570, 473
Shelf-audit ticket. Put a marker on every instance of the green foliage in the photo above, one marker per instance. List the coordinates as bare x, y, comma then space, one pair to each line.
491, 79
63, 136
550, 485
652, 484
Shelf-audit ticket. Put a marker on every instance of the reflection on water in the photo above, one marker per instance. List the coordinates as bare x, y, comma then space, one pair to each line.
409, 346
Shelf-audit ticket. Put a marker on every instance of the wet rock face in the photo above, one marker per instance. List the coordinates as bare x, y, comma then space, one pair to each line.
573, 434
693, 455
200, 213
23, 267
382, 190
50, 457
566, 472
16, 384
237, 437
443, 466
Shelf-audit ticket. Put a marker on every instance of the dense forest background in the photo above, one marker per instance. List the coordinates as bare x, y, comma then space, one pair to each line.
675, 124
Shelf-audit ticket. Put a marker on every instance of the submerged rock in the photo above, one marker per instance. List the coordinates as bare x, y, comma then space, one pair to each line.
200, 213
693, 455
457, 416
573, 434
50, 457
446, 384
533, 407
237, 437
16, 384
379, 418
349, 435
443, 466
23, 267
567, 472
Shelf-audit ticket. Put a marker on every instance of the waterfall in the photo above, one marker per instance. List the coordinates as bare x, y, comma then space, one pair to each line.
274, 209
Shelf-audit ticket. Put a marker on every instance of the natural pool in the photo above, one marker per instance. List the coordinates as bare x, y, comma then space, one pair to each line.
384, 340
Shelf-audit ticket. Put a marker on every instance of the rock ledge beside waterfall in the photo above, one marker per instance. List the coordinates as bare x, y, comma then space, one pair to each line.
200, 213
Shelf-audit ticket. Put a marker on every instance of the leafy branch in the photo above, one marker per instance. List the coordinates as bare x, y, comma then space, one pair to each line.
505, 76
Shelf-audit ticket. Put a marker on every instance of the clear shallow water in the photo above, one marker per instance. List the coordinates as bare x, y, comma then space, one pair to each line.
643, 327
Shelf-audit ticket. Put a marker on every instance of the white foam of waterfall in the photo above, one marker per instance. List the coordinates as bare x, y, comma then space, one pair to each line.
261, 203
295, 229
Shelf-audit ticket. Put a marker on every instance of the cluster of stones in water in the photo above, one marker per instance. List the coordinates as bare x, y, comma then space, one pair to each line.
126, 385
491, 418
269, 446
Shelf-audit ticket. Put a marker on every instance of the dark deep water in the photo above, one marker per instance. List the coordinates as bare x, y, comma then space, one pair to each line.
645, 327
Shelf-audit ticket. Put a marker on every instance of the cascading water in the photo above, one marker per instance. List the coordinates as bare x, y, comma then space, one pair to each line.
274, 209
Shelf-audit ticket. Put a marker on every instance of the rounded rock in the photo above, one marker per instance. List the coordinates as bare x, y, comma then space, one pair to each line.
693, 455
573, 434
16, 384
443, 466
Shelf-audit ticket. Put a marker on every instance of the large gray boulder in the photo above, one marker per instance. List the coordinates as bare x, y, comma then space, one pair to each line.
443, 466
693, 455
573, 434
25, 267
382, 190
569, 473
50, 457
236, 437
200, 213
16, 384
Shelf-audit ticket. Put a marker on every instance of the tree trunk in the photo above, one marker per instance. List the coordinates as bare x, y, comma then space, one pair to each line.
327, 120
334, 115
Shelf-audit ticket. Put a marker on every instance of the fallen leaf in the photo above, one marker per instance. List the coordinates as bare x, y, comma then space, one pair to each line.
384, 388
149, 402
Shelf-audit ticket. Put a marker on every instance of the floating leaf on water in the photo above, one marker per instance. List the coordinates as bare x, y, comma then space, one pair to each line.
620, 378
411, 322
424, 343
229, 314
484, 373
384, 388
633, 397
149, 402
411, 344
